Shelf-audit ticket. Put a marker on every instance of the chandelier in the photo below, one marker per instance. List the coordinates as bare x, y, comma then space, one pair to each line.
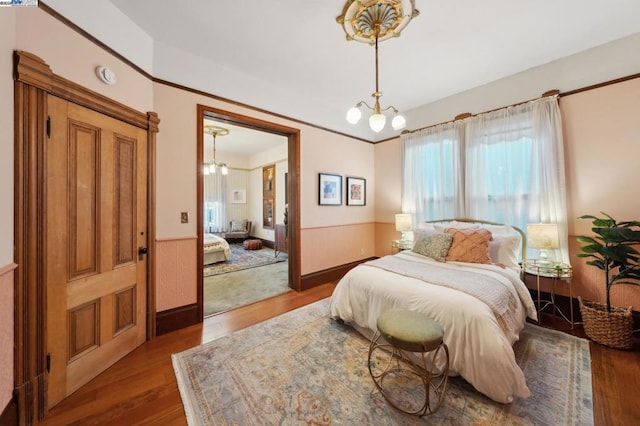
371, 22
215, 131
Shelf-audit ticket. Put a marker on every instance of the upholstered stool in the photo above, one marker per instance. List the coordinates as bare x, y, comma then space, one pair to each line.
401, 377
252, 244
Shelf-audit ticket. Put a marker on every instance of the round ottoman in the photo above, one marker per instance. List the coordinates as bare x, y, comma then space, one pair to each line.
252, 244
398, 354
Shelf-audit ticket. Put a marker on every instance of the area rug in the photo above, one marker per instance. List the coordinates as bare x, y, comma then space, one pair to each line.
223, 292
304, 368
243, 259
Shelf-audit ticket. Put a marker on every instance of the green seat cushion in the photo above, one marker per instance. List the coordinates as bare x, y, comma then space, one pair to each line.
410, 331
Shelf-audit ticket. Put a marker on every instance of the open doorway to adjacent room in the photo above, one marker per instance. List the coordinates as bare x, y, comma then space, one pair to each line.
246, 210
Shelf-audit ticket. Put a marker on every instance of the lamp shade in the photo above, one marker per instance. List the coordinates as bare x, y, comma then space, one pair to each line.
403, 222
353, 115
543, 236
398, 122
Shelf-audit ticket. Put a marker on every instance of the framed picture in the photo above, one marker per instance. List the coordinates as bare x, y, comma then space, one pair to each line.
356, 191
238, 196
329, 189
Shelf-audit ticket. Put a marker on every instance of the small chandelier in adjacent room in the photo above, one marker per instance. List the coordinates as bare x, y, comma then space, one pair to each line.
373, 21
215, 131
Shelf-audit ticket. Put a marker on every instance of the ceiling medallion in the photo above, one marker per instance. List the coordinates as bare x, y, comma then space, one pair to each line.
360, 20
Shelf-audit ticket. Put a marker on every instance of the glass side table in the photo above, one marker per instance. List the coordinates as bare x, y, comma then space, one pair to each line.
397, 245
556, 271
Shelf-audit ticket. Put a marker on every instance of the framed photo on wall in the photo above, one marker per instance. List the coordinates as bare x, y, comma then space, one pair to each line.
238, 196
356, 191
329, 189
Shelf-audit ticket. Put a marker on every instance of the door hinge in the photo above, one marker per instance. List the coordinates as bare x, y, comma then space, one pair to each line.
49, 126
48, 363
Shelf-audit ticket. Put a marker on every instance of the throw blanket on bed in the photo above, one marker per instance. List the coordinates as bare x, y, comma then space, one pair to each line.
485, 288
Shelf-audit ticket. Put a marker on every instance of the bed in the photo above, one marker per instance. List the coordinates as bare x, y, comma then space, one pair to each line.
481, 306
216, 249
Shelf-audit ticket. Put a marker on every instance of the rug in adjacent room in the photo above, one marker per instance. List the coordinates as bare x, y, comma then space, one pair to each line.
304, 368
243, 259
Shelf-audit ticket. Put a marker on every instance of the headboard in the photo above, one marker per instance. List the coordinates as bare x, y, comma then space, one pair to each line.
523, 236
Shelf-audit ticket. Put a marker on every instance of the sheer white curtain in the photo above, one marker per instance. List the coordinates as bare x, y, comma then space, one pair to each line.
515, 167
215, 202
508, 167
432, 181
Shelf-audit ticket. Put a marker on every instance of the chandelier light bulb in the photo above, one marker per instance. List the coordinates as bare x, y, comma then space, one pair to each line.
205, 170
212, 168
398, 122
377, 121
223, 169
354, 115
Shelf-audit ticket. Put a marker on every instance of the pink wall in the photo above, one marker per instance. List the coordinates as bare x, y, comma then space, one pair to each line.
6, 334
176, 270
602, 139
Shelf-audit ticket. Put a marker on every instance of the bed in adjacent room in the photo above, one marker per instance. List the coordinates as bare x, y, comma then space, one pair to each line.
475, 293
216, 249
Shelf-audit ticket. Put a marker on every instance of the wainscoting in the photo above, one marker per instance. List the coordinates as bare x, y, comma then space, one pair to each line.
6, 336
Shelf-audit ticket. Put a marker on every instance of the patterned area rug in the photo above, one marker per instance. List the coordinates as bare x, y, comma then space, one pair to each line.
304, 368
242, 259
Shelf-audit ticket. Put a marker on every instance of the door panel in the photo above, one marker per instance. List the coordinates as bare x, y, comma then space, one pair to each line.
96, 209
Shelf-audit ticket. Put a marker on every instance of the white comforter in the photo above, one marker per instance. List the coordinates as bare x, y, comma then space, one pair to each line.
479, 350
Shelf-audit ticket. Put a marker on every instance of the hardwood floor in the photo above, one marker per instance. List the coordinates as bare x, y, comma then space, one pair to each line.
141, 388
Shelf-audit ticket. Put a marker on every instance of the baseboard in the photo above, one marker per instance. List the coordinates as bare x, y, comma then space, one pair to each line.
177, 318
563, 303
9, 416
328, 275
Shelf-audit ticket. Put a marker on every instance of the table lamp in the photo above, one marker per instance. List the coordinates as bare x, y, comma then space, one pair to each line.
543, 236
403, 224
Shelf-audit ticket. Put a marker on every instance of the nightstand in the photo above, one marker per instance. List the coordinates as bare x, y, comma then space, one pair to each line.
397, 245
556, 271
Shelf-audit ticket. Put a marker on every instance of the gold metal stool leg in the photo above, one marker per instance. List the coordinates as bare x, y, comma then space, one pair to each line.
386, 361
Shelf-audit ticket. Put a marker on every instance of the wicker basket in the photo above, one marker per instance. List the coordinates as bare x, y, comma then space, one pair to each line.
613, 329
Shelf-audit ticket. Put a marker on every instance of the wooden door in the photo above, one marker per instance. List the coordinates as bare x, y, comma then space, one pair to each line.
96, 209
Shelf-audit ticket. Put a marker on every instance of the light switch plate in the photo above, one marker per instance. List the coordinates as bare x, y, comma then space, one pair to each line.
184, 217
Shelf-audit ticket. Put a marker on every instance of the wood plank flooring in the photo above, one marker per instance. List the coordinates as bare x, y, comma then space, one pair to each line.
141, 389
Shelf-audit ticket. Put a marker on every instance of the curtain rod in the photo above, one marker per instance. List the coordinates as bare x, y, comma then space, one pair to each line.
548, 93
462, 116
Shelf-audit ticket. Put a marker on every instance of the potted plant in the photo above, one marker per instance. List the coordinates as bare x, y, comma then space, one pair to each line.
613, 251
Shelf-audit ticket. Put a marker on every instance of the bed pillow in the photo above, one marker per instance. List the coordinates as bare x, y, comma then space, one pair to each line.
433, 245
469, 245
505, 249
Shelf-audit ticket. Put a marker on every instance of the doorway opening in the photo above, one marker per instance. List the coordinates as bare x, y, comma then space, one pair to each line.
248, 227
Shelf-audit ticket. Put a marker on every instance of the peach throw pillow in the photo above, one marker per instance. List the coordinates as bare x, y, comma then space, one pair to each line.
469, 245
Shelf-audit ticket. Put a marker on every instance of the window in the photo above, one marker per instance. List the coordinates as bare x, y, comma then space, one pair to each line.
504, 166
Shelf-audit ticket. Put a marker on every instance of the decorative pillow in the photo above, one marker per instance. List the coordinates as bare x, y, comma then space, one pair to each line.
433, 245
469, 245
238, 225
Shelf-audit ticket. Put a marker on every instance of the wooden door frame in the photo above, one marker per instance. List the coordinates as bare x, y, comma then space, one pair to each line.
293, 188
33, 82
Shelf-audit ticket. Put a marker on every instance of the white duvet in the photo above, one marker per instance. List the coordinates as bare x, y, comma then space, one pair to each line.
479, 349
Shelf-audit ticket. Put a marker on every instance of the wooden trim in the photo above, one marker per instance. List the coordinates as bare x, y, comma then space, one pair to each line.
152, 126
31, 70
8, 268
9, 415
29, 286
329, 275
34, 81
293, 159
599, 85
177, 318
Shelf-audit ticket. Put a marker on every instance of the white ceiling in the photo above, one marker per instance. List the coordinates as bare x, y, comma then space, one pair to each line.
291, 57
241, 141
